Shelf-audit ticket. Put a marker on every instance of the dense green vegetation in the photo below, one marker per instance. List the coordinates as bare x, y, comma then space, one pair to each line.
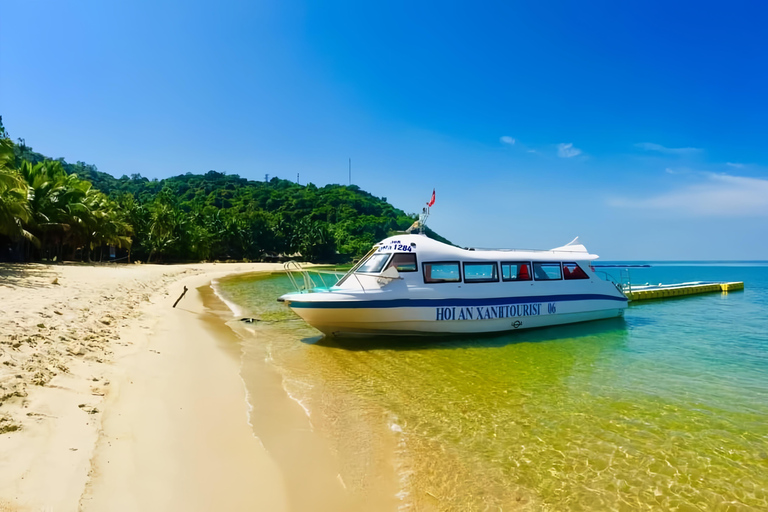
52, 209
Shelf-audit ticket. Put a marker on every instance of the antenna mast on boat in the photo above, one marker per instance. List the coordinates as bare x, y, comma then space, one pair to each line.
425, 213
423, 219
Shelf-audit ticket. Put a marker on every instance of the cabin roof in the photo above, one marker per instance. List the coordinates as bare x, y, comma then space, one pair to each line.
434, 250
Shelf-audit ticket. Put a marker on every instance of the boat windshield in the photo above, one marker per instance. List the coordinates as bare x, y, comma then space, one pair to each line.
374, 264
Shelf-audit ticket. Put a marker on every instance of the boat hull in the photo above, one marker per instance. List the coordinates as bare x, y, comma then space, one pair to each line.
453, 317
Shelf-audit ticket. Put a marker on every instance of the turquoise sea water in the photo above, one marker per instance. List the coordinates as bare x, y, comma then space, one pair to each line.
666, 409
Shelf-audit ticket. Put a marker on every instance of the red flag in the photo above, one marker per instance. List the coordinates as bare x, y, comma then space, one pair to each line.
431, 201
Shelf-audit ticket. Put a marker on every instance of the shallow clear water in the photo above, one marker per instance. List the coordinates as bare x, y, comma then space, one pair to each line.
665, 409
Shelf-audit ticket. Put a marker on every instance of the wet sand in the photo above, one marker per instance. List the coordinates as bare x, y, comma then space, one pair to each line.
114, 400
316, 472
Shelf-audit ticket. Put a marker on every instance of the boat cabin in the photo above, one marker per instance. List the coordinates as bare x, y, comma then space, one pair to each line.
418, 259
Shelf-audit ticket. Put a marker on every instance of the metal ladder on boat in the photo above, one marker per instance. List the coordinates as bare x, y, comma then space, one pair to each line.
292, 267
305, 283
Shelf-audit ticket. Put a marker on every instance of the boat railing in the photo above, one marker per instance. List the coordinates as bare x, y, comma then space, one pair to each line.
303, 280
619, 283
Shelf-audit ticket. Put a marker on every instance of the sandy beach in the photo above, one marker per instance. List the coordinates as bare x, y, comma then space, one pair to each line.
110, 399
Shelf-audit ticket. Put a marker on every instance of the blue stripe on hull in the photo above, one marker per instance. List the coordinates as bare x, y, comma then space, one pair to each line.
426, 303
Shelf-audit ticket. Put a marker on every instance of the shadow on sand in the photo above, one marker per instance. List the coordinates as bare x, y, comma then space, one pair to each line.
570, 331
26, 275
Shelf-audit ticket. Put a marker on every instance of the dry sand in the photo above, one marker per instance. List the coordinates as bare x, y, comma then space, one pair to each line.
110, 399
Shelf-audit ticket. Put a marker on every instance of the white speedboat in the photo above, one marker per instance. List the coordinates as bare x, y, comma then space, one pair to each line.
411, 284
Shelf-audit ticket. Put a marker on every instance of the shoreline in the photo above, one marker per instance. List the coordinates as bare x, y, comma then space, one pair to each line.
116, 401
312, 469
342, 462
176, 436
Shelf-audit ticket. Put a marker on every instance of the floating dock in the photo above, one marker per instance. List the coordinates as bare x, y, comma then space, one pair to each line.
663, 291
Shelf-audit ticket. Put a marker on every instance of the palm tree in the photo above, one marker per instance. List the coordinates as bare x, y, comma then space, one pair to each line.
166, 224
106, 226
55, 200
137, 218
15, 212
66, 210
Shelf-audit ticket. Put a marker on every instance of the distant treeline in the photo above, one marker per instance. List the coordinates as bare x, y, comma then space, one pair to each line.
51, 209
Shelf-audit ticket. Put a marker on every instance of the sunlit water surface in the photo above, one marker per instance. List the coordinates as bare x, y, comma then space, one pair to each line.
666, 409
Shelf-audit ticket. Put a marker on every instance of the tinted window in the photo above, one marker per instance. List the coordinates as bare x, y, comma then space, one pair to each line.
516, 271
546, 271
573, 271
403, 262
374, 264
442, 272
480, 272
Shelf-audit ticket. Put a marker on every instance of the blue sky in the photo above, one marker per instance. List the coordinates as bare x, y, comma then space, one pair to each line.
640, 127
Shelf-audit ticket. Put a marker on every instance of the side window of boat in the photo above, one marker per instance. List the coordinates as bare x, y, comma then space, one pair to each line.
404, 262
442, 272
547, 271
481, 272
573, 271
515, 271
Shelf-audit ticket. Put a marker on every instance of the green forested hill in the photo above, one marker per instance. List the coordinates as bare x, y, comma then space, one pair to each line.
214, 216
226, 216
